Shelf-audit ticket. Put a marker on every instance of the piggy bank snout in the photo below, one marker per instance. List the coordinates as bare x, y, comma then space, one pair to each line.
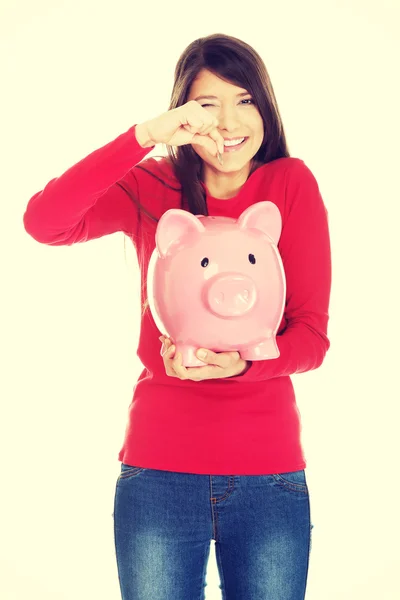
231, 295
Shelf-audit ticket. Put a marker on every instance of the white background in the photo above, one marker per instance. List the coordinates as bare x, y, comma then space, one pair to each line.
75, 74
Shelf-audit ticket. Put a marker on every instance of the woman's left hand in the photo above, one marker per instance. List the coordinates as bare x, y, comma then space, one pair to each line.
219, 364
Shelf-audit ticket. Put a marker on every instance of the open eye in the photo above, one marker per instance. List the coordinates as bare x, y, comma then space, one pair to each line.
252, 259
204, 262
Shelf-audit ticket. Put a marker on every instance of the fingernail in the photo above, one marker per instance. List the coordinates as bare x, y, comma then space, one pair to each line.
219, 156
201, 354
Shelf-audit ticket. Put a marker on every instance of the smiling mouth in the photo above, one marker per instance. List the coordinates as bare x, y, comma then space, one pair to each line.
237, 146
234, 141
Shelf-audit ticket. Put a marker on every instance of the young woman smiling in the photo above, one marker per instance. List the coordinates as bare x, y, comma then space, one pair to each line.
212, 452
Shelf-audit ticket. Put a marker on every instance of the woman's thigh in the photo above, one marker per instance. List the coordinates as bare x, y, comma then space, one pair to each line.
163, 532
263, 536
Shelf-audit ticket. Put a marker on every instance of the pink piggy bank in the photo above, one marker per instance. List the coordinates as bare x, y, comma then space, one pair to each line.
219, 283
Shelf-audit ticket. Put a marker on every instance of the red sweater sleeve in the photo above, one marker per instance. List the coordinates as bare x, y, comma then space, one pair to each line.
86, 202
305, 250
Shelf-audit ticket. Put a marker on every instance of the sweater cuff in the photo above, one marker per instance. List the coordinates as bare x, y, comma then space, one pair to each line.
256, 367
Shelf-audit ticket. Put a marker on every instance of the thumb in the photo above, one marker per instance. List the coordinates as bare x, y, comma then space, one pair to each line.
205, 142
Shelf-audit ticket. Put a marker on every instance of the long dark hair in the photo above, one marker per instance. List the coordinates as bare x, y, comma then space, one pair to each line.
238, 63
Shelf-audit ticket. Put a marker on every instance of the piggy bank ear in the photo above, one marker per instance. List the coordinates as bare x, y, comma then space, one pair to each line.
174, 224
264, 216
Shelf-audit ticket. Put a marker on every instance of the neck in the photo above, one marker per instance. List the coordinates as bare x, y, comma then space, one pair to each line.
225, 185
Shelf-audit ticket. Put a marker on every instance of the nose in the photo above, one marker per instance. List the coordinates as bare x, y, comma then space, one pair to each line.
228, 118
231, 295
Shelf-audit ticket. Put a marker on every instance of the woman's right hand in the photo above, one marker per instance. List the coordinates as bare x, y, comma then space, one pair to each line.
187, 124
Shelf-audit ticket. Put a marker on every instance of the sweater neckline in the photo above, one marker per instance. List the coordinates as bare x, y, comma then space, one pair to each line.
219, 202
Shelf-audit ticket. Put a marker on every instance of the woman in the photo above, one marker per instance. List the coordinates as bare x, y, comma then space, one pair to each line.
210, 452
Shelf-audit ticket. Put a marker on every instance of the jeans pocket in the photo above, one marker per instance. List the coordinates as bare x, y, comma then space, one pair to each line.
292, 480
129, 471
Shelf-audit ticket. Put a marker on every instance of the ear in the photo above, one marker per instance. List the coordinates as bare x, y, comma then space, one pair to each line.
264, 216
174, 224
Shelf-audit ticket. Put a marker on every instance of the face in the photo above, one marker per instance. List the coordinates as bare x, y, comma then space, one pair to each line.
238, 118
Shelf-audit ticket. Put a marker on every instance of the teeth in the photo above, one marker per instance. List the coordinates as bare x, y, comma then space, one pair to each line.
233, 142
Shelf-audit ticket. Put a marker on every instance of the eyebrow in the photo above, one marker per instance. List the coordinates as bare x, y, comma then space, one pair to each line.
216, 98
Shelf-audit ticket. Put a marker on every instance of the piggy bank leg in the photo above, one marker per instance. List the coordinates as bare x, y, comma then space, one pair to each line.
261, 351
189, 358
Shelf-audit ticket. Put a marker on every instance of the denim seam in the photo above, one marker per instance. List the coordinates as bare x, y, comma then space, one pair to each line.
297, 487
130, 473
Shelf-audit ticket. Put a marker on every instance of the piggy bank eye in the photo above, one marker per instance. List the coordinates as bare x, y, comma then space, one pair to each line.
204, 262
252, 259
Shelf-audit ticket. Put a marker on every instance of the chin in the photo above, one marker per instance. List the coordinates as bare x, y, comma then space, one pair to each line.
234, 165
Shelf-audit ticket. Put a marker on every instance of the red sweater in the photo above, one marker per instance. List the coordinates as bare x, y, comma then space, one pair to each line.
244, 425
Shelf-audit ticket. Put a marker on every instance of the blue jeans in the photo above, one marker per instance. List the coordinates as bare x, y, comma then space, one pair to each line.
164, 523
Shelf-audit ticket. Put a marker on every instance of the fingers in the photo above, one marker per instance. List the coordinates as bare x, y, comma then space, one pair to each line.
211, 130
204, 128
218, 139
215, 363
168, 358
173, 364
222, 359
178, 368
200, 122
209, 143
